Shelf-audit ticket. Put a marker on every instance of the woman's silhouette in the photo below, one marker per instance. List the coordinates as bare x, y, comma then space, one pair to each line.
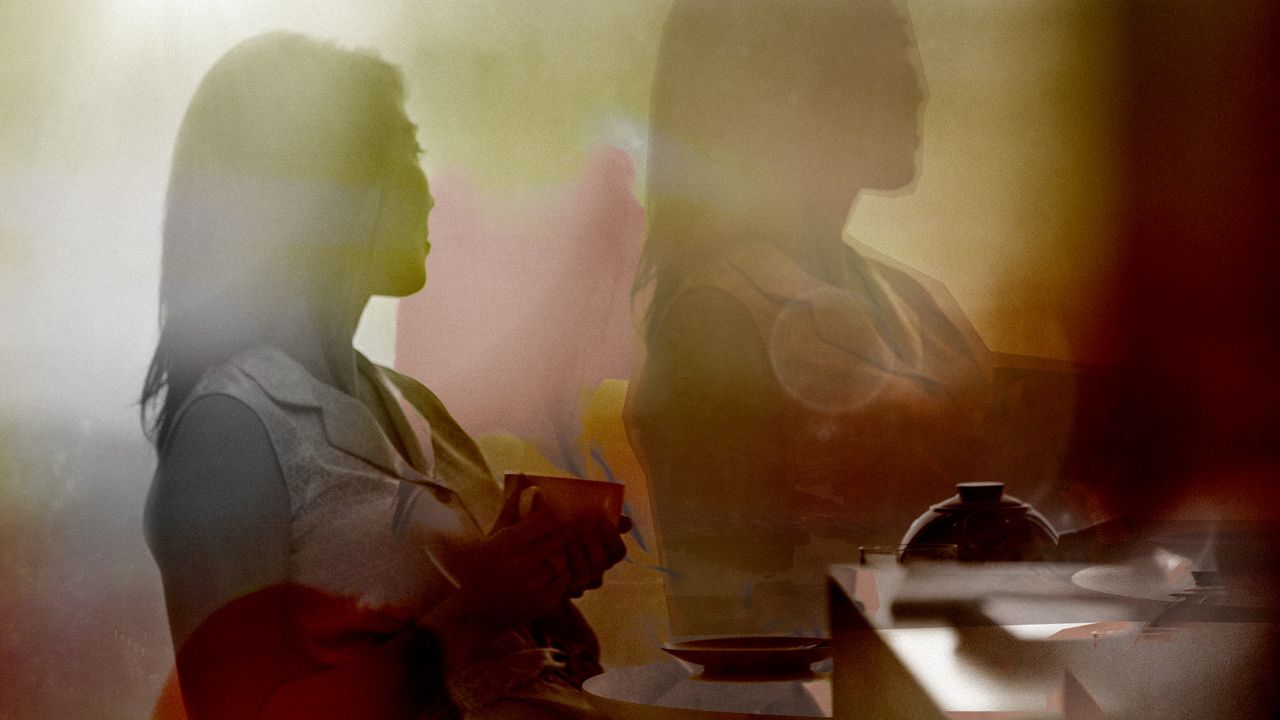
799, 397
331, 542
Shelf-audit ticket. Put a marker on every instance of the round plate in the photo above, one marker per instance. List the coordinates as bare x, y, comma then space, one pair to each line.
1141, 583
752, 655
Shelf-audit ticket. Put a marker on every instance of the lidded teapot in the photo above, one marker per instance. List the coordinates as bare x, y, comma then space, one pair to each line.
986, 525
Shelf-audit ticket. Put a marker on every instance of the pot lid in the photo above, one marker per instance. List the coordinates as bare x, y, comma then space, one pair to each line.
984, 495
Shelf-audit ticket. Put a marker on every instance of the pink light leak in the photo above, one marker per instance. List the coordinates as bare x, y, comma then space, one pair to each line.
527, 303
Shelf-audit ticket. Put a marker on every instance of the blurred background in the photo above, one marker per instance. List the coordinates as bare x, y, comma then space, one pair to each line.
1098, 188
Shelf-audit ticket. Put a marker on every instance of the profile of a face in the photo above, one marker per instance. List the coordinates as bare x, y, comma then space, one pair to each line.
398, 247
296, 175
802, 97
858, 114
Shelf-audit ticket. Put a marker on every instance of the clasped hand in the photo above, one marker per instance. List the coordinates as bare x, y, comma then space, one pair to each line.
528, 567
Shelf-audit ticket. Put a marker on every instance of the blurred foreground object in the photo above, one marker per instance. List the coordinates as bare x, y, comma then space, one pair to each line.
1024, 640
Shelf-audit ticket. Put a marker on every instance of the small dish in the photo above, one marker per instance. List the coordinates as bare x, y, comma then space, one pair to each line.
751, 654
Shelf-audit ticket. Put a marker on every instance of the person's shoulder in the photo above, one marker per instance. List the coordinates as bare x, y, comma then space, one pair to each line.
758, 273
218, 419
733, 270
924, 292
227, 378
224, 388
705, 310
913, 283
709, 338
724, 287
217, 475
218, 515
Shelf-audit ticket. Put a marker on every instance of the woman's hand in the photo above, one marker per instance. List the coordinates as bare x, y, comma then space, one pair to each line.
516, 574
506, 580
594, 546
593, 543
523, 571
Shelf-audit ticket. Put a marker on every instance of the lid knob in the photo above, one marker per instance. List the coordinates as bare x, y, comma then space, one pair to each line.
980, 492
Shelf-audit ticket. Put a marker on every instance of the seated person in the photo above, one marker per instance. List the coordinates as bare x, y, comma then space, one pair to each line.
800, 395
331, 543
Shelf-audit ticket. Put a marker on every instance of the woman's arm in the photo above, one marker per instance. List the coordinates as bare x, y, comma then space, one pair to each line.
706, 417
218, 524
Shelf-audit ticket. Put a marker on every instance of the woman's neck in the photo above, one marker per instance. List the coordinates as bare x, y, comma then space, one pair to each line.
807, 227
322, 343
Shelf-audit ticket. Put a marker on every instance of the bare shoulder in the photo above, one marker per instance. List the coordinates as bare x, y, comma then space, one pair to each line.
218, 512
219, 465
711, 337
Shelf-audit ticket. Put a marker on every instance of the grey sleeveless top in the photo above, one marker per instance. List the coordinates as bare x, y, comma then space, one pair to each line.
375, 530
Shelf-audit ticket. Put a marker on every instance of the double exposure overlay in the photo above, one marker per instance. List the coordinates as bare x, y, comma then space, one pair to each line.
290, 289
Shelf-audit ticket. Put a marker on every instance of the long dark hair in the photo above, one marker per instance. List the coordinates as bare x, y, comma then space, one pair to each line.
737, 87
271, 170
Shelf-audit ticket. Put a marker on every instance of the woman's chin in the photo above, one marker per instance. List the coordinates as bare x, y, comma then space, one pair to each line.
895, 178
402, 284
